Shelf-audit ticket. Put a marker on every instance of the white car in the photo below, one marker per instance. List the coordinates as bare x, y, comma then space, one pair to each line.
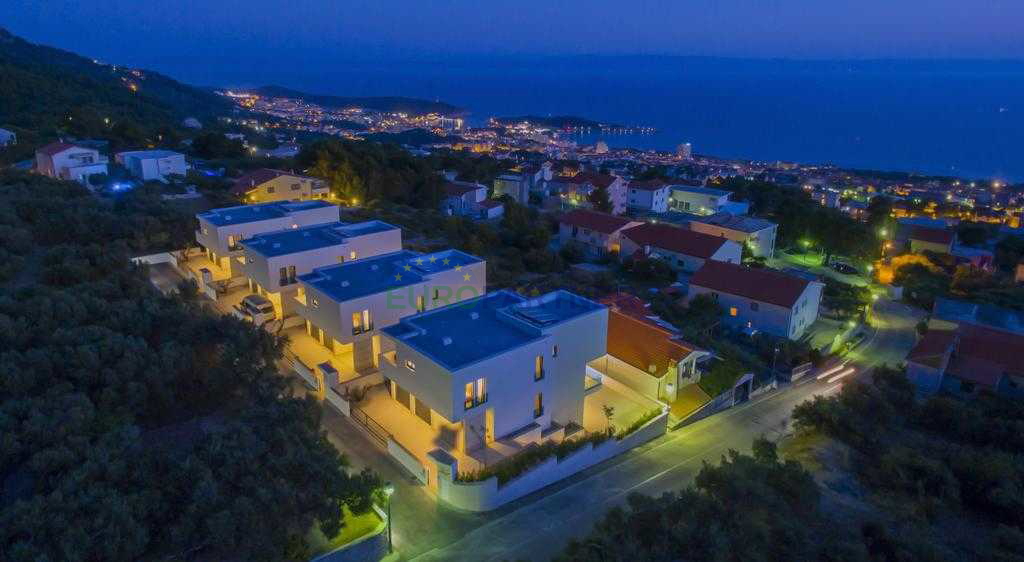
256, 309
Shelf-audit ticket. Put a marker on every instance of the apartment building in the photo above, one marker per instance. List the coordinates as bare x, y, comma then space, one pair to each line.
756, 299
273, 261
221, 230
496, 366
268, 185
649, 195
344, 305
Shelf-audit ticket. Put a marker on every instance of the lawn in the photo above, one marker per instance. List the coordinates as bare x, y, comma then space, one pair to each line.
356, 527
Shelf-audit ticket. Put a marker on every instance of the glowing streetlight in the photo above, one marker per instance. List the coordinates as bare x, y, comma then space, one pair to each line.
883, 232
389, 490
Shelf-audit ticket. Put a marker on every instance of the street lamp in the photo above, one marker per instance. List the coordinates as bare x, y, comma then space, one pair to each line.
389, 489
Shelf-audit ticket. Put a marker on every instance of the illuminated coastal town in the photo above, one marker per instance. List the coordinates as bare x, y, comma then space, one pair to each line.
258, 323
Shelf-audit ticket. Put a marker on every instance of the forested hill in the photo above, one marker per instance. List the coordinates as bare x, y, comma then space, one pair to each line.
45, 91
377, 103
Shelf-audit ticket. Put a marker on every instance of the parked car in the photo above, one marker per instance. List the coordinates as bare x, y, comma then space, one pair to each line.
844, 268
256, 309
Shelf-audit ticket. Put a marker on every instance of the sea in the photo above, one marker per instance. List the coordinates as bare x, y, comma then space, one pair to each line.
960, 118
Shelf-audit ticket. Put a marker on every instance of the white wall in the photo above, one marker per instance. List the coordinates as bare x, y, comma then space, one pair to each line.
215, 238
761, 243
487, 495
771, 318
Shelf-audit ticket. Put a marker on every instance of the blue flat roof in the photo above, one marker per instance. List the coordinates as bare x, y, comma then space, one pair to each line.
242, 214
368, 276
460, 334
292, 240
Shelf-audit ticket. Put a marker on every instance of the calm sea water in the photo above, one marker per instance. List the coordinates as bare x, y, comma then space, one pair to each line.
958, 118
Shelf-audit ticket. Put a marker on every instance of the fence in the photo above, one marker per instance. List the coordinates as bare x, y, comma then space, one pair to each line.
376, 430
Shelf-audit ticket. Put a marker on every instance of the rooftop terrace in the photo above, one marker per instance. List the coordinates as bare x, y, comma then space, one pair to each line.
369, 276
293, 240
242, 214
462, 334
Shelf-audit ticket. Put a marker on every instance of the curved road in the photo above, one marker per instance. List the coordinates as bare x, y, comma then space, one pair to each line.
539, 526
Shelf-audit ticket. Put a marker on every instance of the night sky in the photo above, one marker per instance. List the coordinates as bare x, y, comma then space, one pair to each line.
156, 32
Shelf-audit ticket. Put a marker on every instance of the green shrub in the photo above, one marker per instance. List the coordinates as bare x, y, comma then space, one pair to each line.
513, 466
640, 422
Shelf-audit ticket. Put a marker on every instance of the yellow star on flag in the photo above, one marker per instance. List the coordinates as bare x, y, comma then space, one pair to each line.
466, 277
398, 277
433, 259
445, 261
419, 261
408, 267
458, 268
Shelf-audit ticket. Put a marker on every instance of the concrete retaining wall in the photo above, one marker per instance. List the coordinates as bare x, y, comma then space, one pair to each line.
162, 257
407, 459
487, 495
335, 399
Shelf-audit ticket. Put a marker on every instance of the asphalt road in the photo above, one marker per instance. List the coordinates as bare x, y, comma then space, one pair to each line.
539, 526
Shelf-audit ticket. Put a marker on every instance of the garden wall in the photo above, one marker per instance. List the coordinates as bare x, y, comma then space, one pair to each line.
487, 495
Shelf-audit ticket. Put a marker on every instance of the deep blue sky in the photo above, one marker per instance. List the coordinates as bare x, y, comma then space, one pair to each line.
151, 33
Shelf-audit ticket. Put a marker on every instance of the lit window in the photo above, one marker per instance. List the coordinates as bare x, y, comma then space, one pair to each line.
476, 394
352, 255
538, 368
538, 405
733, 311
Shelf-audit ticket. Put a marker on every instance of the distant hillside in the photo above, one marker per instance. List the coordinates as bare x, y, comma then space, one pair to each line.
45, 91
387, 103
412, 137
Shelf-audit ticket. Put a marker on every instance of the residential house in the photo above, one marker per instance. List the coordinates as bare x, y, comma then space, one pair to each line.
155, 165
574, 191
70, 162
932, 239
221, 230
8, 137
649, 195
516, 186
497, 366
702, 200
968, 359
756, 299
462, 198
598, 233
266, 185
757, 234
683, 250
644, 354
344, 305
273, 261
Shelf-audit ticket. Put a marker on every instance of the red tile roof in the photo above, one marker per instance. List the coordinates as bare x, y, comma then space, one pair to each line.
258, 177
594, 178
594, 220
638, 341
647, 185
55, 148
933, 235
932, 347
764, 285
674, 239
458, 189
984, 355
